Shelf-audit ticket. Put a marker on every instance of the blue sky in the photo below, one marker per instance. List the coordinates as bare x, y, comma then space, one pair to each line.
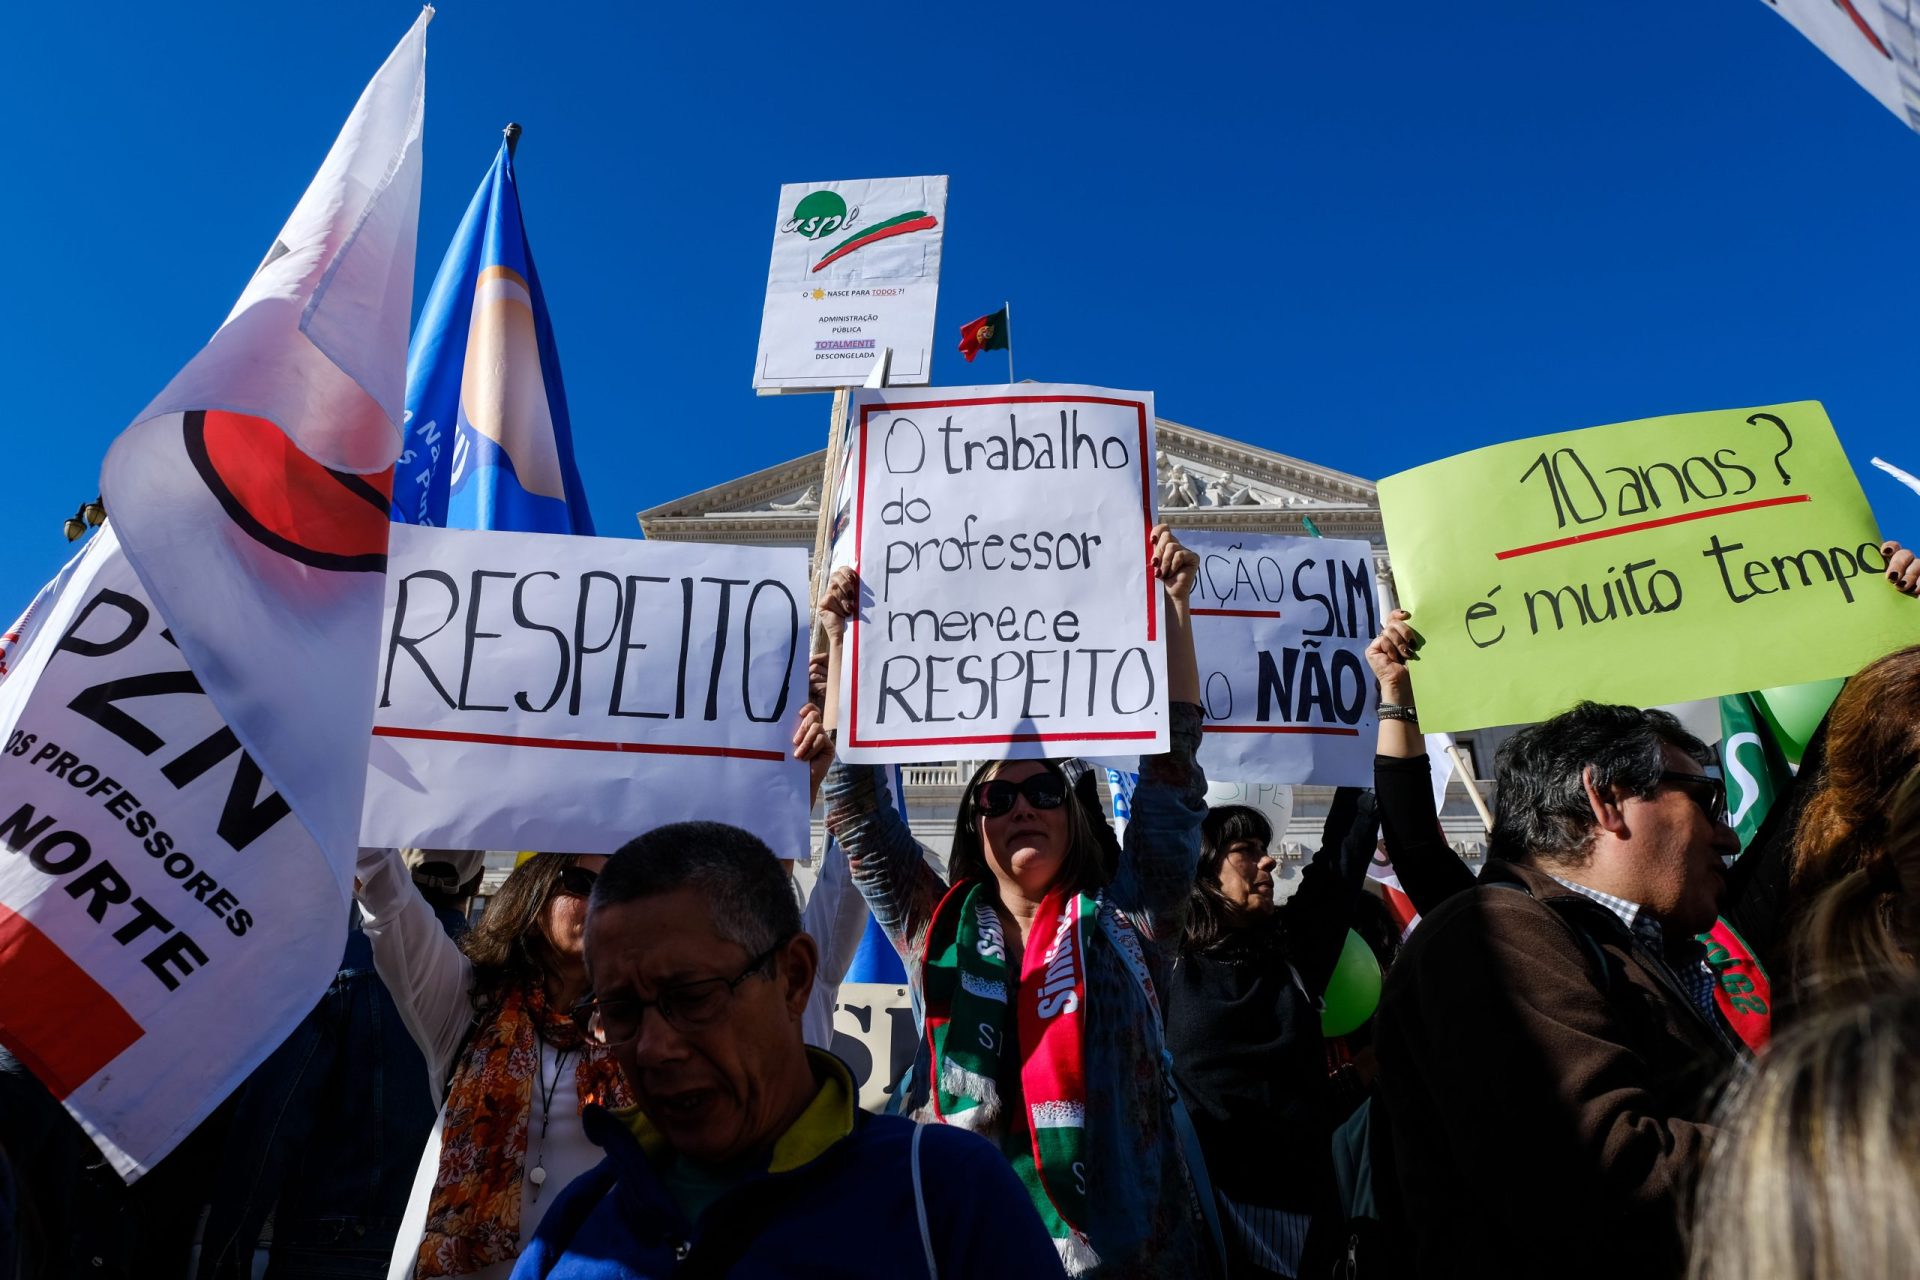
1367, 235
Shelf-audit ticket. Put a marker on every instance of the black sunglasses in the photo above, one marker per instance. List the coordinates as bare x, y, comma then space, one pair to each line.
1709, 793
577, 881
1043, 791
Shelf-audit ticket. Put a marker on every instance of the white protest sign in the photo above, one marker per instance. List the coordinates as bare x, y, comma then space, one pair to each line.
165, 920
855, 271
1280, 628
540, 691
1003, 539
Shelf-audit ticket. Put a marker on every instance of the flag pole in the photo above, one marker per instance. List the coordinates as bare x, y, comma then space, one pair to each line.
512, 135
1007, 307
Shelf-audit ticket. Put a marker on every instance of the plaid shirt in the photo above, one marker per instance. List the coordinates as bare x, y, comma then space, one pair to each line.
1692, 973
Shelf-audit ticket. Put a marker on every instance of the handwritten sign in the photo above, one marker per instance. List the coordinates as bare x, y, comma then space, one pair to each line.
539, 691
1003, 537
1280, 627
1646, 562
165, 918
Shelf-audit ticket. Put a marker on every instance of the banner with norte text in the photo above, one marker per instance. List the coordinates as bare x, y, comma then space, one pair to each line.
1002, 537
1280, 628
541, 691
165, 919
855, 271
1647, 562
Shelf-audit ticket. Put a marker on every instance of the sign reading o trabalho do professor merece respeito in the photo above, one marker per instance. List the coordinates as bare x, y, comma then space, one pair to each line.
855, 272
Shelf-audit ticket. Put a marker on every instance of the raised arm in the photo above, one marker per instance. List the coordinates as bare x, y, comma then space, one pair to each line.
1162, 844
1429, 870
430, 979
1320, 911
889, 867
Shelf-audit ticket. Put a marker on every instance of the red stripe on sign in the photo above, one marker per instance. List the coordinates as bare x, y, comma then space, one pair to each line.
578, 744
1236, 613
1127, 736
1329, 730
54, 1017
1643, 525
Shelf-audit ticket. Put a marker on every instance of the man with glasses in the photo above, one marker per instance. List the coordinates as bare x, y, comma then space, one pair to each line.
1548, 1040
746, 1154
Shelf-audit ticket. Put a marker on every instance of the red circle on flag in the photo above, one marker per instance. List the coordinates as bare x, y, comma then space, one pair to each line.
285, 500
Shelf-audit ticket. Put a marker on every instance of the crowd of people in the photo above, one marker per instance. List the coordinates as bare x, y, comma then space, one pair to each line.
622, 1068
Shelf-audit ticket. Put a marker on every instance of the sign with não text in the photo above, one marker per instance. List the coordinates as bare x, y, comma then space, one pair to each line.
1646, 562
1002, 540
539, 691
1280, 628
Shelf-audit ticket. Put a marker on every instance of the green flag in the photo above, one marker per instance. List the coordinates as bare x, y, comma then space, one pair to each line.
1756, 769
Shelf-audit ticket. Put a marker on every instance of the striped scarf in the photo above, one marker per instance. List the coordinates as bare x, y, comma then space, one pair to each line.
969, 987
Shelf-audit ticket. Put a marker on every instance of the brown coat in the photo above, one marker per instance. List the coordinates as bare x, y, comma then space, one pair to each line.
1540, 1118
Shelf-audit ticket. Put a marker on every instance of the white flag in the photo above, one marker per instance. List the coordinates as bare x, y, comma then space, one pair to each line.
1874, 41
185, 851
252, 494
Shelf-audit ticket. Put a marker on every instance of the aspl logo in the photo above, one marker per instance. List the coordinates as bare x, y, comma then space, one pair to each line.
820, 213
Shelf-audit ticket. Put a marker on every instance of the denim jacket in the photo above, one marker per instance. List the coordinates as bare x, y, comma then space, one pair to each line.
1144, 1213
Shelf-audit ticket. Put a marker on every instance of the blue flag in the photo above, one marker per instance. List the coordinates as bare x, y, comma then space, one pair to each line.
488, 441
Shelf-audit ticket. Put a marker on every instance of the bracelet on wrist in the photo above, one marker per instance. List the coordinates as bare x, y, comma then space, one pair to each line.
1395, 711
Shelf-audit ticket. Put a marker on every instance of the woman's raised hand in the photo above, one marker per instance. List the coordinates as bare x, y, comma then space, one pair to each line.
1389, 654
839, 601
1173, 564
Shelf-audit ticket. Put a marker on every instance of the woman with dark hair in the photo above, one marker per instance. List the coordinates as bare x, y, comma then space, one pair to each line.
490, 1014
1039, 970
1243, 1022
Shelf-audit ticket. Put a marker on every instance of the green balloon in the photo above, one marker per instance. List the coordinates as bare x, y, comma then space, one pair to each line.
1794, 711
1353, 993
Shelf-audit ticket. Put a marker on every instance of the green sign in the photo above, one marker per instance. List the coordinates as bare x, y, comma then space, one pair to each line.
1645, 562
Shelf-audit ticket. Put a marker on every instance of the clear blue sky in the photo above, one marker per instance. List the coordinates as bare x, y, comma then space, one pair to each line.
1365, 234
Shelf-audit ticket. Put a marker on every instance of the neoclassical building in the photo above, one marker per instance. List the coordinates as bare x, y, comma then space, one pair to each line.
1205, 481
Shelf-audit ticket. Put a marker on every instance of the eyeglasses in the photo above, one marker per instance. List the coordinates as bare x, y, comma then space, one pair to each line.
577, 881
1043, 791
687, 1007
1709, 793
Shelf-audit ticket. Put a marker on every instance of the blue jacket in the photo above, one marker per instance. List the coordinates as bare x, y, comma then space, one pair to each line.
838, 1198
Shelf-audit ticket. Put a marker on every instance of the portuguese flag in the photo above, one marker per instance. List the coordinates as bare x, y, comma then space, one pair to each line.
988, 333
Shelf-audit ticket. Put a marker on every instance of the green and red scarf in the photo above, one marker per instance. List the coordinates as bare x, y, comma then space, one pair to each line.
968, 985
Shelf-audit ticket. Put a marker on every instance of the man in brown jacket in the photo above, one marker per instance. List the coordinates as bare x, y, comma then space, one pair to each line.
1548, 1040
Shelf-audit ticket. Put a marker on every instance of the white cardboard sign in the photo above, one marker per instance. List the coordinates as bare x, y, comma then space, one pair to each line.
165, 919
855, 271
1280, 628
1002, 539
541, 691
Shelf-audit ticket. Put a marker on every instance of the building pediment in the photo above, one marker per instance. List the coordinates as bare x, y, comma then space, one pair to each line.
1201, 480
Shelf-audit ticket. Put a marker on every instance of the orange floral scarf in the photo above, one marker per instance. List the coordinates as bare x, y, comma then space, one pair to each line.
473, 1216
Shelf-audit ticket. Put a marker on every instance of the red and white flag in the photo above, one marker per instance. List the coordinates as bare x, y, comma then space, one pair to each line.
252, 495
187, 708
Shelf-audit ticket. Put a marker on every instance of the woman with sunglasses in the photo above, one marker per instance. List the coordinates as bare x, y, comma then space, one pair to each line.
1037, 967
491, 1016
